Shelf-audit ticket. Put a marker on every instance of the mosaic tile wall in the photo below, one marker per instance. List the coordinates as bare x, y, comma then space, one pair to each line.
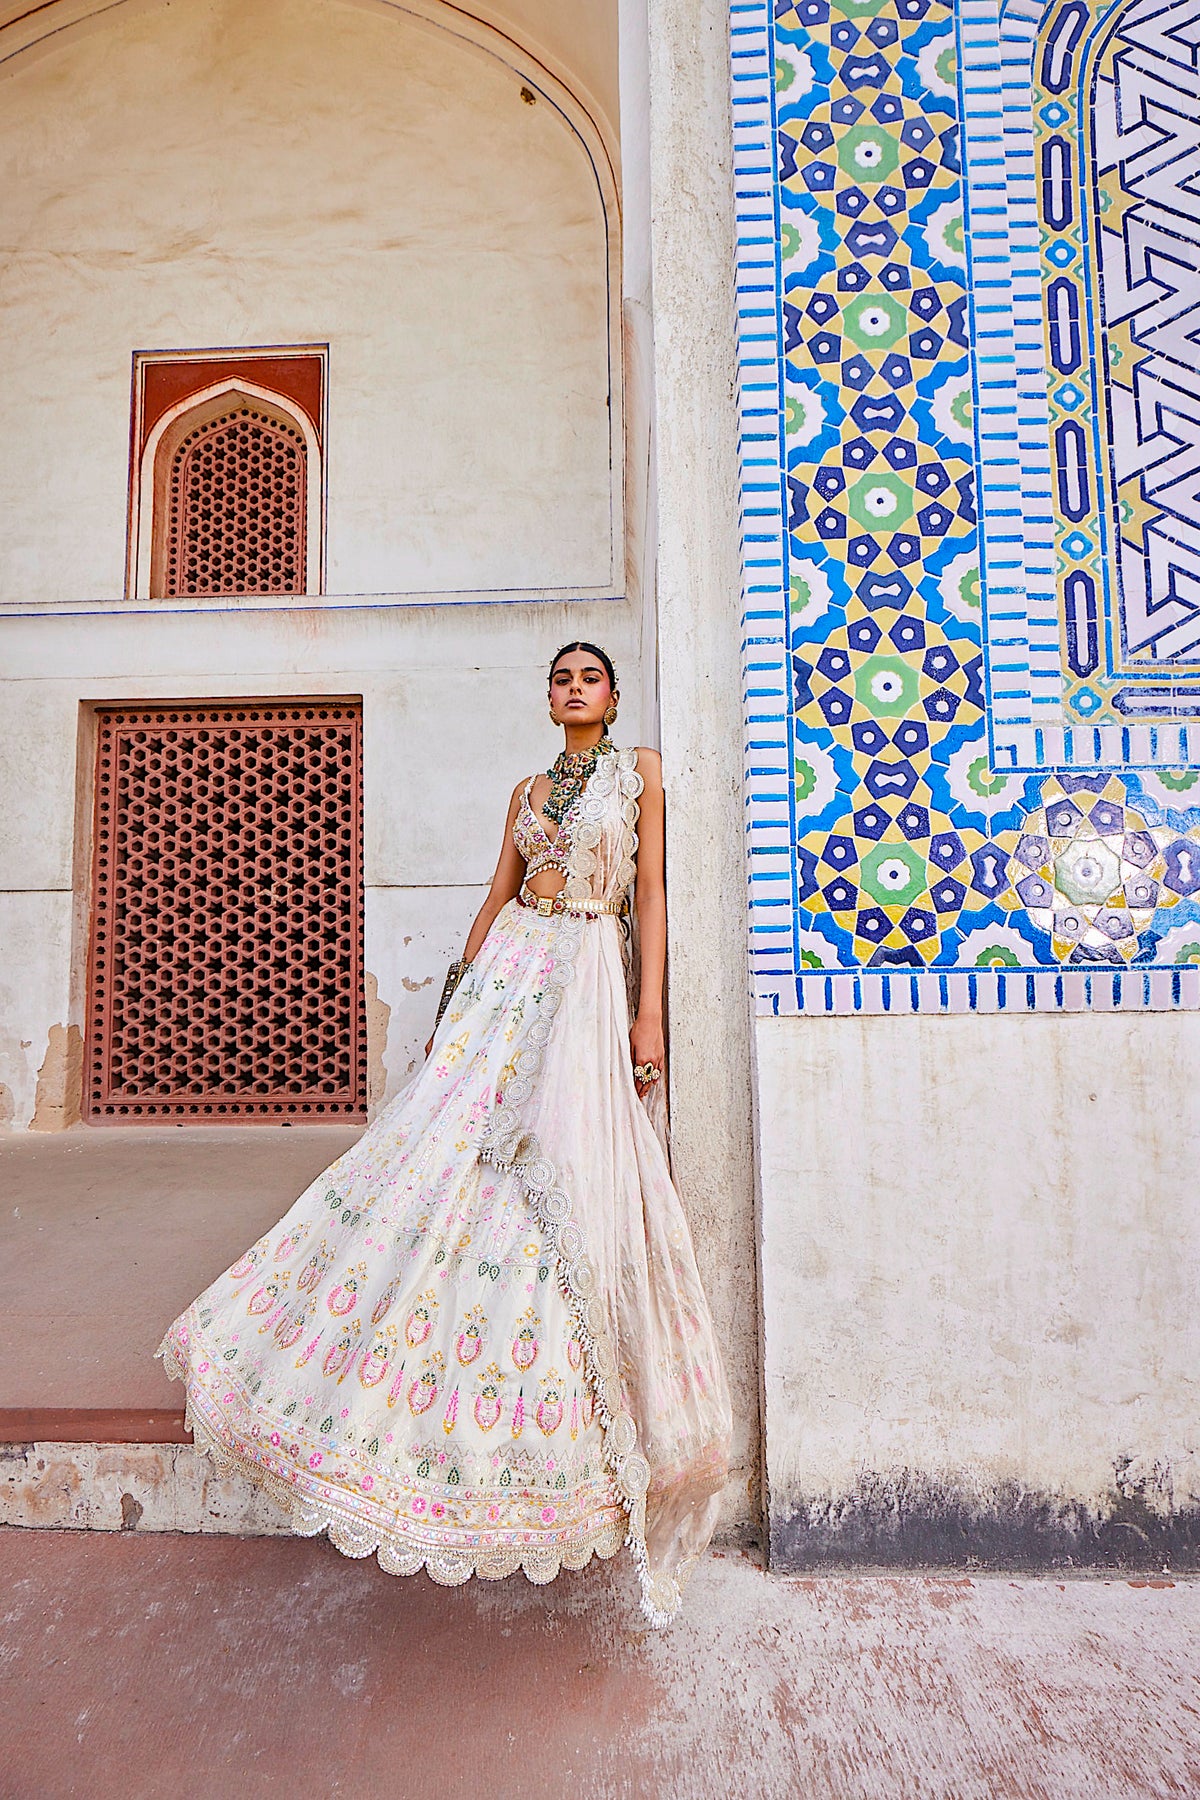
936, 819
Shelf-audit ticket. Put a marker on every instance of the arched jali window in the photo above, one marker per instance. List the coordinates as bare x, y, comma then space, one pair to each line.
236, 504
228, 481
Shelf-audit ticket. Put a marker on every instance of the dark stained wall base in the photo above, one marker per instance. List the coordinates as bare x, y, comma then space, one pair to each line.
907, 1520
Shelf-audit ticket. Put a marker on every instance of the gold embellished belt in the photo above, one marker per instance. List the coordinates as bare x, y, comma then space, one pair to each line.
549, 904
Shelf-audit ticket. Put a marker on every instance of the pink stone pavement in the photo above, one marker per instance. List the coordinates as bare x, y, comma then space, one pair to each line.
215, 1668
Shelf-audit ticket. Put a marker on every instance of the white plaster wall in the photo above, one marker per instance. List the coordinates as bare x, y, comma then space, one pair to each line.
578, 37
35, 980
695, 530
980, 1254
217, 174
411, 935
454, 712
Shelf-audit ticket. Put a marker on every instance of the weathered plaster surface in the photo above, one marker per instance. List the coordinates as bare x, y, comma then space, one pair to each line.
980, 1259
60, 1081
454, 714
35, 932
126, 1487
293, 172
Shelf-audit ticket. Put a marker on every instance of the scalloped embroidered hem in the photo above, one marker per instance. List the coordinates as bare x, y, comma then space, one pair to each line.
396, 1555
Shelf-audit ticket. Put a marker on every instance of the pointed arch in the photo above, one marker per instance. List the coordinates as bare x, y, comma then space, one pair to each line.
234, 432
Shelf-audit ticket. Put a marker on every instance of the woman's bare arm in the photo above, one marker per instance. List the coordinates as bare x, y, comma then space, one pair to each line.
646, 1034
506, 883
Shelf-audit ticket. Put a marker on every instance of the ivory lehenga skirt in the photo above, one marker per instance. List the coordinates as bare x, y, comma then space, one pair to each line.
478, 1342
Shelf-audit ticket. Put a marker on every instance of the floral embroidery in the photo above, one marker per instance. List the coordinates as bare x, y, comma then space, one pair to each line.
469, 1342
337, 1357
525, 1344
550, 1403
378, 1357
342, 1297
313, 1272
421, 1318
488, 1404
429, 1282
423, 1392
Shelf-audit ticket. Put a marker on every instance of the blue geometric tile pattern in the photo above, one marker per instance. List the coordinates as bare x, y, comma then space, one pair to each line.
900, 860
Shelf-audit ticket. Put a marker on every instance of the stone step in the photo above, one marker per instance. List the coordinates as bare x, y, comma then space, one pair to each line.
92, 1425
128, 1486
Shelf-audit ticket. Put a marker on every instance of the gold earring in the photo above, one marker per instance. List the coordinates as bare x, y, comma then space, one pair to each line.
610, 716
553, 720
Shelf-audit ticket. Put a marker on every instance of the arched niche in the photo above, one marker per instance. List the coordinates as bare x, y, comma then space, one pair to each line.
476, 408
251, 439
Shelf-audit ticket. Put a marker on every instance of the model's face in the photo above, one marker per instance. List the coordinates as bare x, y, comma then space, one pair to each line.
580, 691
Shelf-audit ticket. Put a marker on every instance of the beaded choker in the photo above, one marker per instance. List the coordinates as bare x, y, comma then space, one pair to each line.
572, 771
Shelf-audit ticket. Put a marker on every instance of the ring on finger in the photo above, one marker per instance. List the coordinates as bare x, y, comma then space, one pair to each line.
647, 1072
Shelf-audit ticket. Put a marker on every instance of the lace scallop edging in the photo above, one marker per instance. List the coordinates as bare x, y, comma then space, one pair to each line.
396, 1554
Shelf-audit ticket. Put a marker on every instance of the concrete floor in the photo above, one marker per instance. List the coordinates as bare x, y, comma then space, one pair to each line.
107, 1234
202, 1669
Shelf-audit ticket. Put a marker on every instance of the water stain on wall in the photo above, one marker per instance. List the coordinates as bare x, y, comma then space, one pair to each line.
906, 1519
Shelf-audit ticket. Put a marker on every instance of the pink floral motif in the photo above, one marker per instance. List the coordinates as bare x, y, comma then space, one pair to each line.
311, 1274
549, 1411
423, 1392
525, 1345
246, 1265
469, 1342
377, 1358
488, 1404
420, 1319
342, 1297
338, 1355
385, 1301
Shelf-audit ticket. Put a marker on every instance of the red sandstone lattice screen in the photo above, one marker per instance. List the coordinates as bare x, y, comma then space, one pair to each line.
226, 967
237, 500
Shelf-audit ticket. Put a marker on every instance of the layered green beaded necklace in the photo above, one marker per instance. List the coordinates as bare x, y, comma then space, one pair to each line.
572, 771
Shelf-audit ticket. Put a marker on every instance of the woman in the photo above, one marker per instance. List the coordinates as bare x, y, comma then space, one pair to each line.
478, 1342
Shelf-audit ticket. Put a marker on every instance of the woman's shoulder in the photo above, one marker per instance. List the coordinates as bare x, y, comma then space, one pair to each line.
649, 764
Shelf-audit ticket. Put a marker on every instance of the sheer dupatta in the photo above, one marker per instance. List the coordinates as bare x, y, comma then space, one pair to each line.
570, 1125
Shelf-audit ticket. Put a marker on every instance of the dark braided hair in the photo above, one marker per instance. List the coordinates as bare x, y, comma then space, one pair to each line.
592, 650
